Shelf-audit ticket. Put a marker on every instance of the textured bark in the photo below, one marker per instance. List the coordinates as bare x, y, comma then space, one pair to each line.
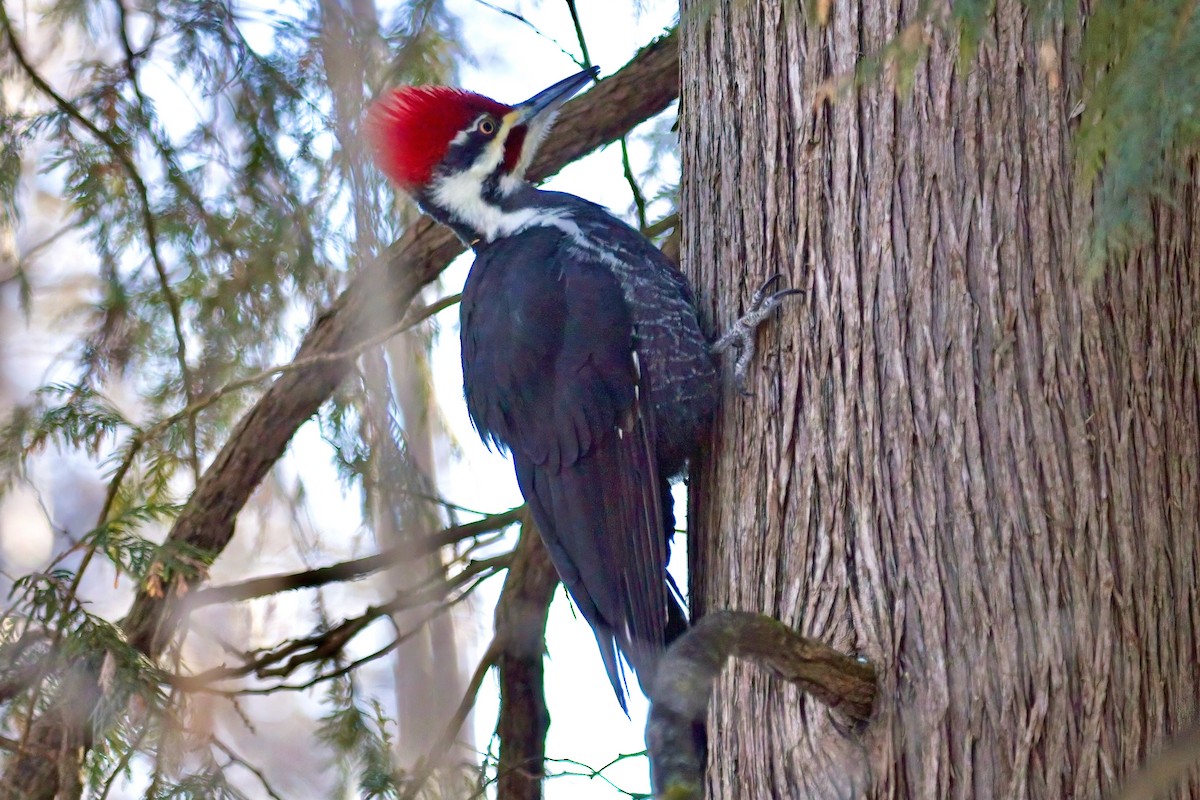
644, 87
962, 459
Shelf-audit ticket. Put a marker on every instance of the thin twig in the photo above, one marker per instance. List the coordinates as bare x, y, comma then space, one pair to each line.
414, 318
172, 172
325, 645
537, 31
593, 773
149, 221
234, 758
123, 764
355, 568
639, 199
345, 669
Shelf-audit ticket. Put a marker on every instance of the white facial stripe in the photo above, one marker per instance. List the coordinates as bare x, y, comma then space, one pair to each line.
534, 135
462, 195
492, 155
509, 183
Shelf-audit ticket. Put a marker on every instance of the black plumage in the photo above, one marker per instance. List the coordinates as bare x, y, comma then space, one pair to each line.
582, 354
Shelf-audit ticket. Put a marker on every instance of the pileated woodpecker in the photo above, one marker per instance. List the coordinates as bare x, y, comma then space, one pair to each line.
581, 352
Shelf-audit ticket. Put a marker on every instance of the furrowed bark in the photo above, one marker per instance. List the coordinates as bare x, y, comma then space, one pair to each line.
644, 87
962, 459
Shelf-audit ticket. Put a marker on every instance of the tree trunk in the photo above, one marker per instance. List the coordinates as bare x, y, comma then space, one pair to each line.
962, 459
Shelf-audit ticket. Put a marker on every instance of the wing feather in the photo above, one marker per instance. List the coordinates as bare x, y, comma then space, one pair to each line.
550, 371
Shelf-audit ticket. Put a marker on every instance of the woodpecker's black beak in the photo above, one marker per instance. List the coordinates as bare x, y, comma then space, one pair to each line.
545, 103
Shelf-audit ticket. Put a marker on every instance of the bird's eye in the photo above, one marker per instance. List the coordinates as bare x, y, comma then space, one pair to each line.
487, 126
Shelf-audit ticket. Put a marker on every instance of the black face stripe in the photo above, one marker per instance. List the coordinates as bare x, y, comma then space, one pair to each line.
491, 185
460, 156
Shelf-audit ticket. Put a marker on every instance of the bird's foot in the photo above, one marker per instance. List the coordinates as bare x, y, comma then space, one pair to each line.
741, 334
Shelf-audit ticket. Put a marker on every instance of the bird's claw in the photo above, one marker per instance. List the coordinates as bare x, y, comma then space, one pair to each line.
756, 300
764, 301
741, 334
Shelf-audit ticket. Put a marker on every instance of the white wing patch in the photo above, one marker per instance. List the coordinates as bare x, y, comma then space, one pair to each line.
637, 377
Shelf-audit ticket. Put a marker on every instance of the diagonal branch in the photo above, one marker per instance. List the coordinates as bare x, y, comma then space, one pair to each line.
356, 568
644, 87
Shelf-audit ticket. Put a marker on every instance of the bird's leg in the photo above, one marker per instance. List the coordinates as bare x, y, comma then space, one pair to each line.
741, 334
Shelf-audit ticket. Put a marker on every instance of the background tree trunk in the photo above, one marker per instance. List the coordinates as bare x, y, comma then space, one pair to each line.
962, 458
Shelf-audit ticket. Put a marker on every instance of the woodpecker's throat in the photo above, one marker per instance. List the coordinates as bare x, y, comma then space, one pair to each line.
477, 209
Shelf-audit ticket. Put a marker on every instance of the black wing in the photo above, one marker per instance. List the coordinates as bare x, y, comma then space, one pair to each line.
551, 372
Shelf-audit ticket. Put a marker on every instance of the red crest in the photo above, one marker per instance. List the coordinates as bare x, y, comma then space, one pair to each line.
411, 128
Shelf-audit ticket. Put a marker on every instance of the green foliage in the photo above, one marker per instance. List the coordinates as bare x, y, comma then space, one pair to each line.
13, 140
208, 157
72, 416
143, 559
359, 737
1141, 114
1138, 99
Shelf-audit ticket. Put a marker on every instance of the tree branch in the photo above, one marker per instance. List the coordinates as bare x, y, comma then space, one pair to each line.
329, 643
521, 631
681, 689
644, 87
356, 568
234, 758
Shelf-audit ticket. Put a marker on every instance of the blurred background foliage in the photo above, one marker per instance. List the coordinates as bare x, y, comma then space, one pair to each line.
182, 191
